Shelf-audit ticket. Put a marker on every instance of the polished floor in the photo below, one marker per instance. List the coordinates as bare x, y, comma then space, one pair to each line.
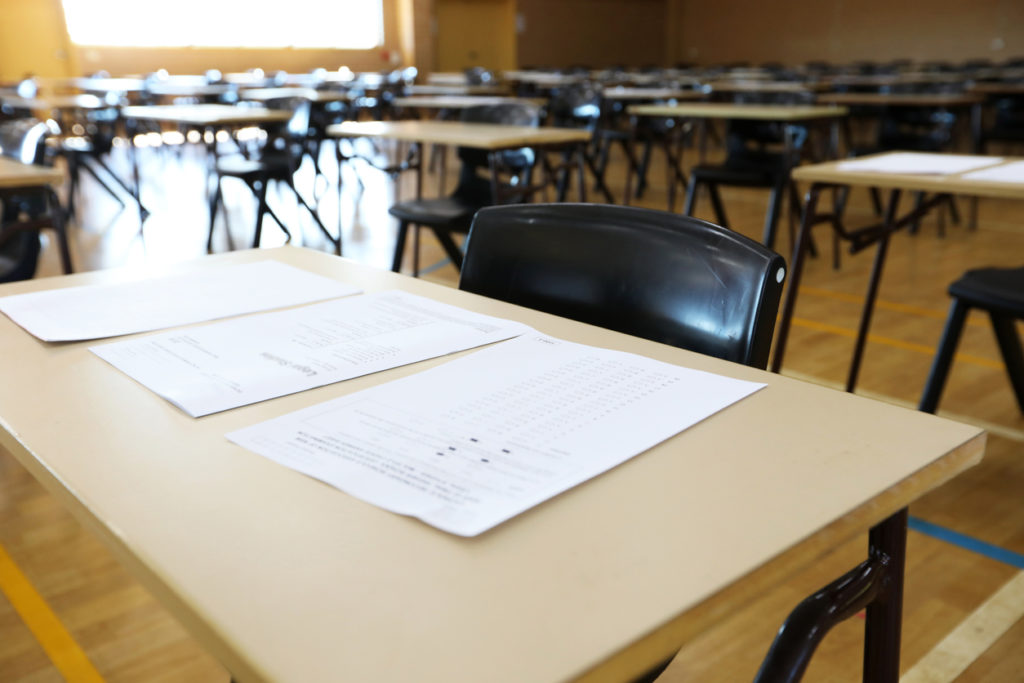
68, 609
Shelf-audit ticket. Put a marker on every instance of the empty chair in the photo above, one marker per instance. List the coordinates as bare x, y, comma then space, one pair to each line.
26, 210
658, 275
479, 185
998, 291
758, 154
278, 160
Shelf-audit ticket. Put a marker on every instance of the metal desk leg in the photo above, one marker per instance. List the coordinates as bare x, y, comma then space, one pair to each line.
795, 270
872, 293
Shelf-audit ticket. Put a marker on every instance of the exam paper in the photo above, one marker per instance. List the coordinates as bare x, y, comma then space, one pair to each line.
110, 310
1006, 173
469, 444
232, 363
917, 163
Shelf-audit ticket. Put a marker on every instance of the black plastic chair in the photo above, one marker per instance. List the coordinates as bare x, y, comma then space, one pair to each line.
653, 274
277, 160
757, 155
1000, 292
27, 210
478, 186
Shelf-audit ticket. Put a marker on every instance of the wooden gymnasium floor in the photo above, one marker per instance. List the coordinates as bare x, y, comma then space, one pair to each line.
68, 609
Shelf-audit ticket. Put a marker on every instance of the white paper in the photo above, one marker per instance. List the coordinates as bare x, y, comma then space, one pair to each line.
918, 163
110, 310
469, 444
224, 365
1012, 172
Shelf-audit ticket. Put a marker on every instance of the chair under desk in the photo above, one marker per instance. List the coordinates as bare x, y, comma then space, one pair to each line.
283, 578
832, 175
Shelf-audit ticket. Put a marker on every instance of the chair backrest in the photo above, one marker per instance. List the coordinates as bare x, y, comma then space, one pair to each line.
474, 176
652, 274
24, 140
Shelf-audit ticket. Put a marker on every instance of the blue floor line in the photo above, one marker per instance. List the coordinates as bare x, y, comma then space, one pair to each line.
966, 542
437, 266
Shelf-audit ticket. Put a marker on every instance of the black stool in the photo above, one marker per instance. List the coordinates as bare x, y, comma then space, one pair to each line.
1000, 291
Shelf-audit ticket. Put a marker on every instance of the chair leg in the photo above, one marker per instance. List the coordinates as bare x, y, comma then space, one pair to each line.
943, 357
450, 248
260, 187
716, 202
691, 196
214, 204
91, 171
1009, 344
771, 219
396, 260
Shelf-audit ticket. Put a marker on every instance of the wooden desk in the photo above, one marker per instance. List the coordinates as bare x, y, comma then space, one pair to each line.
283, 93
491, 137
435, 89
828, 175
283, 578
16, 177
637, 94
448, 102
204, 117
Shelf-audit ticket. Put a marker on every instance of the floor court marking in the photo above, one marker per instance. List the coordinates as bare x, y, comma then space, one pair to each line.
885, 305
894, 343
972, 637
63, 651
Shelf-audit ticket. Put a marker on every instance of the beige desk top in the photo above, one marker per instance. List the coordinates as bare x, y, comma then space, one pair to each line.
461, 101
900, 100
479, 135
15, 174
997, 88
50, 102
283, 578
767, 112
206, 114
755, 86
830, 172
441, 89
265, 94
639, 94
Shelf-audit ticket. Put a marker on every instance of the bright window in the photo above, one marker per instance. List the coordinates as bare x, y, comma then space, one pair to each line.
339, 24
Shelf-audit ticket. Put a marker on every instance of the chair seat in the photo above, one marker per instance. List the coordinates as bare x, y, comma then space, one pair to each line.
1001, 289
442, 212
735, 175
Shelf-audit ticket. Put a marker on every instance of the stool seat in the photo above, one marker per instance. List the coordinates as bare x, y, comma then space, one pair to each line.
1000, 289
999, 292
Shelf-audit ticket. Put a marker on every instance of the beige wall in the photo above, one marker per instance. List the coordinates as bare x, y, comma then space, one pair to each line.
795, 31
598, 33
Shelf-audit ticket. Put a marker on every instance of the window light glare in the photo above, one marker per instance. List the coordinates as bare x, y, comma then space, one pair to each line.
339, 24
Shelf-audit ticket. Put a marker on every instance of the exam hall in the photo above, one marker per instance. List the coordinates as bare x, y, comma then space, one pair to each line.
144, 181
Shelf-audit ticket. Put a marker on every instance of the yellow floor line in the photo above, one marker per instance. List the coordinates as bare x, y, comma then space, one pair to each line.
58, 644
895, 343
881, 303
972, 637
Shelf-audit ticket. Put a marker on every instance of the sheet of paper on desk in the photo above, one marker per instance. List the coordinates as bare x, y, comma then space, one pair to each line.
469, 444
918, 163
1005, 173
232, 363
110, 310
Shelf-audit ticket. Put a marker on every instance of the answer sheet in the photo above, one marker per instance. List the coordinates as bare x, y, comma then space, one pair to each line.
1012, 172
918, 163
224, 365
469, 444
110, 310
